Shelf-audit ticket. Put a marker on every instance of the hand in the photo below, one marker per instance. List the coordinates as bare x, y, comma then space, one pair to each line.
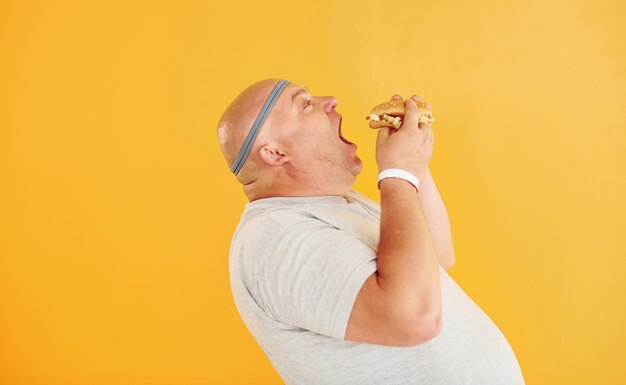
414, 97
409, 147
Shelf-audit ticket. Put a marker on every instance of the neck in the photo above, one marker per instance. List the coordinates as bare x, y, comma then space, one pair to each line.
259, 189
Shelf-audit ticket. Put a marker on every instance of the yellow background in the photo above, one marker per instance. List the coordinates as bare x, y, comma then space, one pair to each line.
117, 208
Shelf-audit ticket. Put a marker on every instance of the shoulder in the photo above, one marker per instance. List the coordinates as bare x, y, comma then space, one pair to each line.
279, 217
263, 227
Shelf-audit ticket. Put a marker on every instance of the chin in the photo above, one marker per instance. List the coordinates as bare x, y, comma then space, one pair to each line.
359, 165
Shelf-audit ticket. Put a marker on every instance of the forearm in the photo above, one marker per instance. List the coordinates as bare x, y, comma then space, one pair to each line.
437, 219
407, 265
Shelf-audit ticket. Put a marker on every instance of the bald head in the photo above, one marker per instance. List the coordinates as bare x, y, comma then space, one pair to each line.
298, 150
237, 119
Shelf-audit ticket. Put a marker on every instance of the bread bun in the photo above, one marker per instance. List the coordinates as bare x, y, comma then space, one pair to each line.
391, 114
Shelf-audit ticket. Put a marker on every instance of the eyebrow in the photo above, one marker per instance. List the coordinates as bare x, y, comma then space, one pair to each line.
300, 91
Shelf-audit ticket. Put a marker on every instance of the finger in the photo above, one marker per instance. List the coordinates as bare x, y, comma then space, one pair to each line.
396, 97
421, 101
383, 132
427, 129
411, 115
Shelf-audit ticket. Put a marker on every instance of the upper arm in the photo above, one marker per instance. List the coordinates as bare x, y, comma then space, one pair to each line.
309, 275
323, 279
376, 319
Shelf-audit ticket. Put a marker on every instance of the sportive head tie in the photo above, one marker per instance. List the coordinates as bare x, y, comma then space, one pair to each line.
260, 119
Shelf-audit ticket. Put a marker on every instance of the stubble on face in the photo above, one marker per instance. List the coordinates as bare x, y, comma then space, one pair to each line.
319, 157
333, 166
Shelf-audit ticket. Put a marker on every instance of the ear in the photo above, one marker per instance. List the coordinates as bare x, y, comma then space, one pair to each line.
272, 156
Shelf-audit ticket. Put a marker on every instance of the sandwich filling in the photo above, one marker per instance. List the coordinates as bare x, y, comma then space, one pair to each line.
396, 121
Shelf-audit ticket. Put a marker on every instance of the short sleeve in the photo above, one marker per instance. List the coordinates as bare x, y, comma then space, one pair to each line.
311, 274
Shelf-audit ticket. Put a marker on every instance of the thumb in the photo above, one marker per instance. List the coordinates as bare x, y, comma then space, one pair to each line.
411, 114
383, 133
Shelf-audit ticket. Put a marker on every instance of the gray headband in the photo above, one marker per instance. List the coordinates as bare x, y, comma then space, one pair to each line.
260, 119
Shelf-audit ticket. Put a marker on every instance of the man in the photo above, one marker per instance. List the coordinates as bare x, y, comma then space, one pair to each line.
335, 288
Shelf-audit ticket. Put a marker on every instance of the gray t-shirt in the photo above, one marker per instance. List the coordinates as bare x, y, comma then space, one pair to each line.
296, 267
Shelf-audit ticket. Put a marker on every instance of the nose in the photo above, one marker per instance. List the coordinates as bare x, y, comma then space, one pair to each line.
328, 102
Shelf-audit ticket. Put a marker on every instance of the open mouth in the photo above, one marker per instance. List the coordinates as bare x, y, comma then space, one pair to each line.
341, 136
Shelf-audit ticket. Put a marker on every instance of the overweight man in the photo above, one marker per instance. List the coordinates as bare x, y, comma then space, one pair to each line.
336, 288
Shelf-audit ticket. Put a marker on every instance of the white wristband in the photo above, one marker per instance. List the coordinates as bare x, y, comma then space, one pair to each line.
398, 173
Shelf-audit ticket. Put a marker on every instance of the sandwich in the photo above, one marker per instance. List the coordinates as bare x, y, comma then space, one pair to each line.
391, 114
